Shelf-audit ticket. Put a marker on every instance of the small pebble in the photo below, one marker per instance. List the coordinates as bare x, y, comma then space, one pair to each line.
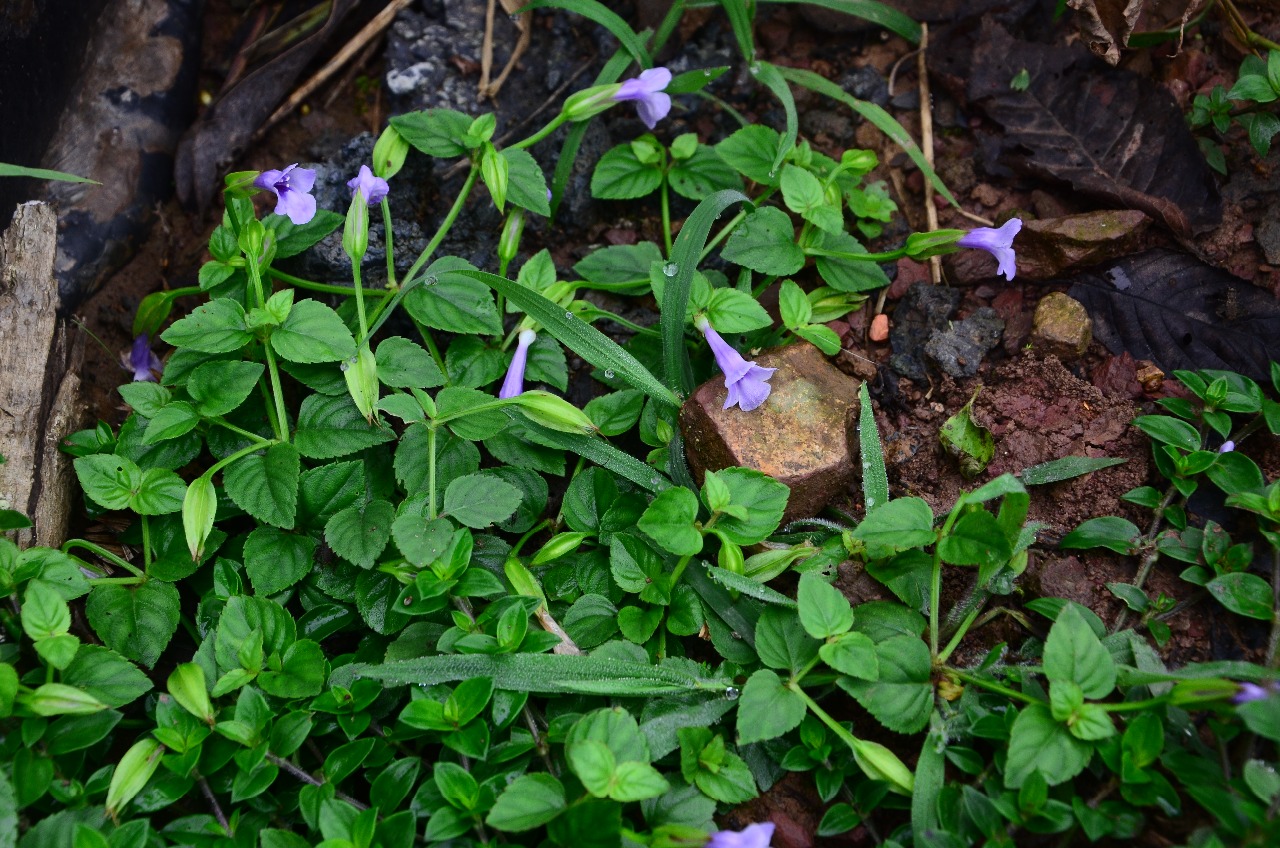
879, 331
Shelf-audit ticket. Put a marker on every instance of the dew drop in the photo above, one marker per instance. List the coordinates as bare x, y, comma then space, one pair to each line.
773, 172
871, 502
568, 316
671, 269
408, 602
731, 693
755, 68
655, 481
430, 281
608, 374
707, 74
344, 366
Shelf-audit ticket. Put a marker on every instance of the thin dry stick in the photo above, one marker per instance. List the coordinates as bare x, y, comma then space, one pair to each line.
341, 85
371, 30
486, 50
926, 144
489, 89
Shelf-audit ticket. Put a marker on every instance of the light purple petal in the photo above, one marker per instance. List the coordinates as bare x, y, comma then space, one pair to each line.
372, 188
513, 384
753, 389
268, 179
756, 835
647, 92
1250, 692
142, 362
300, 179
654, 108
300, 208
1227, 447
997, 242
746, 383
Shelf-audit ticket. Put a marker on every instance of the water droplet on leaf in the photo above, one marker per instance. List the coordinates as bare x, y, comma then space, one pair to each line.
671, 269
430, 281
731, 693
608, 374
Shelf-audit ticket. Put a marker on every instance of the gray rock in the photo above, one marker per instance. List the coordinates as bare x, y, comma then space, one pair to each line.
959, 350
866, 83
923, 312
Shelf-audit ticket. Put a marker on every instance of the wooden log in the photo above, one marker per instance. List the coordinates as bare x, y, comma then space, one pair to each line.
40, 388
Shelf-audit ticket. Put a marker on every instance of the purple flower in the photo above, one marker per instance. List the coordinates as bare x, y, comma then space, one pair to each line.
144, 364
372, 188
752, 836
514, 383
1253, 692
1227, 447
646, 90
997, 243
291, 187
747, 382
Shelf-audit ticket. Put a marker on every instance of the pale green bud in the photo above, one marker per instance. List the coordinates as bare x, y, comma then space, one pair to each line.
590, 102
936, 243
509, 240
554, 412
361, 374
198, 509
355, 234
389, 153
493, 170
187, 686
559, 545
134, 770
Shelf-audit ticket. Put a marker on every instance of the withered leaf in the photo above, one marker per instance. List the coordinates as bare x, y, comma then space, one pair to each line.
1106, 24
1178, 312
1105, 131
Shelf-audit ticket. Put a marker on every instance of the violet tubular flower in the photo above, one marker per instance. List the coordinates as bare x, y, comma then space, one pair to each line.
757, 835
646, 91
746, 382
1254, 692
291, 188
142, 361
372, 189
514, 383
1227, 447
997, 242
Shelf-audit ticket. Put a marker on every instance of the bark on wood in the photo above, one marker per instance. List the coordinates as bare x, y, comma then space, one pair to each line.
40, 398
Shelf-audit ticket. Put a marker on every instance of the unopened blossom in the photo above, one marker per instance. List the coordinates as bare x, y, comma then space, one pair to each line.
1253, 692
646, 91
1227, 447
372, 188
756, 835
514, 383
144, 364
292, 188
997, 242
746, 382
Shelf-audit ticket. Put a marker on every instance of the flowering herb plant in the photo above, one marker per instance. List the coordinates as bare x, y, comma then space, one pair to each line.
392, 588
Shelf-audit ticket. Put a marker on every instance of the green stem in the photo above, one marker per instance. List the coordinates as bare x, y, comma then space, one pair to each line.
223, 463
431, 471
1134, 706
445, 226
935, 579
253, 437
431, 347
118, 581
960, 631
360, 315
666, 216
993, 687
277, 392
323, 288
887, 256
104, 553
541, 525
555, 124
146, 544
386, 240
592, 313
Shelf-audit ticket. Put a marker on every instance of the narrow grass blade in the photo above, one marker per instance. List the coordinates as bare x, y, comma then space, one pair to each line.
740, 20
773, 80
601, 453
881, 119
7, 170
579, 336
612, 69
748, 586
607, 18
875, 480
1057, 470
869, 10
675, 297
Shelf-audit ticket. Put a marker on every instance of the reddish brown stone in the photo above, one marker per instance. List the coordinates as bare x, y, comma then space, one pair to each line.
805, 434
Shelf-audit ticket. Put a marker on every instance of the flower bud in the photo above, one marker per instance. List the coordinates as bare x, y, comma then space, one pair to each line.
493, 170
389, 153
1216, 393
355, 234
362, 381
188, 687
936, 243
731, 558
859, 161
53, 699
198, 509
252, 237
557, 546
879, 763
554, 412
132, 773
522, 579
590, 102
509, 240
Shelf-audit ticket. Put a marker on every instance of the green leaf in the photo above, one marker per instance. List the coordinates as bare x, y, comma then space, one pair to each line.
1169, 430
762, 499
896, 526
330, 426
750, 151
968, 441
1252, 87
615, 413
529, 801
620, 175
592, 620
1038, 743
767, 709
605, 17
135, 621
275, 560
766, 242
479, 500
221, 386
848, 275
436, 132
853, 654
449, 301
875, 480
769, 75
1066, 468
781, 640
266, 485
976, 539
360, 533
1073, 653
147, 399
106, 675
313, 333
1243, 593
623, 268
733, 311
403, 364
7, 170
1109, 531
824, 611
301, 674
526, 184
669, 521
216, 327
703, 174
901, 698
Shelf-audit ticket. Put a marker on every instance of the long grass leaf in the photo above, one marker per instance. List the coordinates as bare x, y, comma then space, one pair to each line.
773, 80
869, 10
740, 20
675, 297
7, 170
875, 480
579, 336
600, 452
881, 119
605, 17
